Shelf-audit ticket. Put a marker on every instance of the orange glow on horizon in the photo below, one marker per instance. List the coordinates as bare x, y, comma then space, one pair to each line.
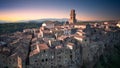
18, 15
31, 15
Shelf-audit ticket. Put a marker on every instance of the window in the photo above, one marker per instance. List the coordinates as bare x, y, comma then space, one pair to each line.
9, 59
60, 66
35, 60
44, 51
59, 57
37, 64
70, 56
46, 60
70, 51
2, 56
51, 66
42, 60
6, 67
85, 39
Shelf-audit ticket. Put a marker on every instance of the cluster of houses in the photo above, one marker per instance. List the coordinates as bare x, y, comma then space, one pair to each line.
54, 46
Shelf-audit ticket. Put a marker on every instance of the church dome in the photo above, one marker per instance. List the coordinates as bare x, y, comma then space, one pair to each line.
43, 24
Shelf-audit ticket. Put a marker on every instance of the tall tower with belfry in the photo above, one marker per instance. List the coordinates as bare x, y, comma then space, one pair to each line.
72, 19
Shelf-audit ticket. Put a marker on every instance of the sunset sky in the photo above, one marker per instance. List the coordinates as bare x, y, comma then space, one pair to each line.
15, 10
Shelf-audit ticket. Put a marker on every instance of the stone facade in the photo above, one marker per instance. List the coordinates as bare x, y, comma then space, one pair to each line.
65, 46
64, 50
65, 55
72, 19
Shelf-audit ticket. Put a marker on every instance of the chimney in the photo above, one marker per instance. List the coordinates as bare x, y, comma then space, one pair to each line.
19, 62
56, 35
49, 43
37, 45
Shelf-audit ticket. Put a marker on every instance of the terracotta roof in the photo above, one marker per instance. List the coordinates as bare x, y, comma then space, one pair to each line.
43, 46
34, 52
70, 44
78, 36
46, 31
33, 44
34, 39
21, 54
80, 32
59, 46
49, 22
62, 37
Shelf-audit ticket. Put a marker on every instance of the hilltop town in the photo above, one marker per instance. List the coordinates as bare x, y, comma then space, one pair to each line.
70, 45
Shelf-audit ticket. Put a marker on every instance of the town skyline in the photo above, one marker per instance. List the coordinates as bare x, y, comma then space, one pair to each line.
86, 10
55, 44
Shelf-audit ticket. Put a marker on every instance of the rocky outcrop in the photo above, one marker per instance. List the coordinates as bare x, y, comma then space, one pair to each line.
110, 57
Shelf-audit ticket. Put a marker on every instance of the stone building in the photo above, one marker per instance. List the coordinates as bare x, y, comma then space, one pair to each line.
118, 24
48, 25
92, 45
14, 61
67, 46
4, 53
43, 56
72, 19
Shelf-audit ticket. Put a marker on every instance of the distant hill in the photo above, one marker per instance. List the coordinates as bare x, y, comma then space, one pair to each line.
49, 19
38, 20
7, 28
3, 22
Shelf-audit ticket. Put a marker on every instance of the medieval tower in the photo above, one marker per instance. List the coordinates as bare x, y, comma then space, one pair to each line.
72, 19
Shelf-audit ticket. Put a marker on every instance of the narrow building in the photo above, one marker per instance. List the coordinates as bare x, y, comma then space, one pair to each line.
72, 19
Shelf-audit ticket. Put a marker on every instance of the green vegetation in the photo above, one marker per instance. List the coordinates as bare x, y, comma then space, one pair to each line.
110, 59
86, 22
13, 27
83, 23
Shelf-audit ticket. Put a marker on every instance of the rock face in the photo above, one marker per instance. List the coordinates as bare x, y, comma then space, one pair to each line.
102, 48
92, 46
110, 57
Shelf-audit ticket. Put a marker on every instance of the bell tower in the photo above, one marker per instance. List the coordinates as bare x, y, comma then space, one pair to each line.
72, 19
